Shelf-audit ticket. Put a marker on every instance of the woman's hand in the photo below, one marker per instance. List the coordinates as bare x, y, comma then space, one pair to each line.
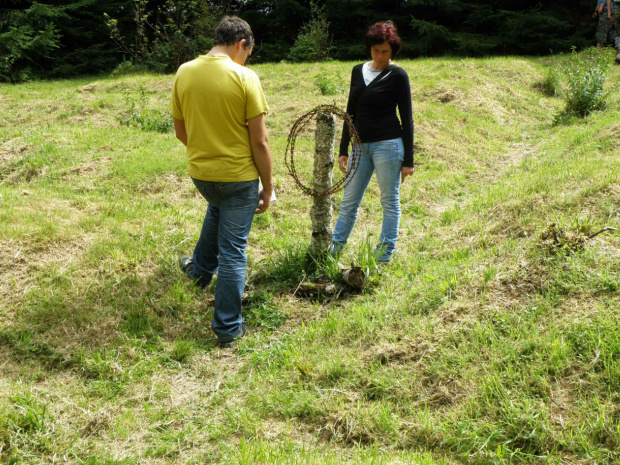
404, 172
342, 163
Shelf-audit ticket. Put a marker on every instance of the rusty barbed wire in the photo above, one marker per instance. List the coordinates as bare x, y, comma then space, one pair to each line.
354, 157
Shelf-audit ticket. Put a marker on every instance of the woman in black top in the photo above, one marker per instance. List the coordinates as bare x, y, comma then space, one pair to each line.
378, 88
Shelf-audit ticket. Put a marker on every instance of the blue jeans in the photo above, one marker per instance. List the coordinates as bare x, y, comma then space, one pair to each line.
221, 248
386, 159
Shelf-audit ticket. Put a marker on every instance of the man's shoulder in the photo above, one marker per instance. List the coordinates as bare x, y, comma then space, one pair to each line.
243, 71
188, 65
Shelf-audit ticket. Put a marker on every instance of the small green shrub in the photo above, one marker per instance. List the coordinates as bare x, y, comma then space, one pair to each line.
143, 116
329, 86
585, 74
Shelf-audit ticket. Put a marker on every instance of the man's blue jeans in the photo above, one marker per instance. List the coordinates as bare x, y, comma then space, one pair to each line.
221, 248
386, 159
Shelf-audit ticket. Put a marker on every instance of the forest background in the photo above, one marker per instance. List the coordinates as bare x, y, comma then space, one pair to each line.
63, 38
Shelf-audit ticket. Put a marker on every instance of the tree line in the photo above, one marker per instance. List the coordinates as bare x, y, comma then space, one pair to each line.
63, 38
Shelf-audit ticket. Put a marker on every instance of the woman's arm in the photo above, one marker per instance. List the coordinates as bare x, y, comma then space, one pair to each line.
346, 136
403, 100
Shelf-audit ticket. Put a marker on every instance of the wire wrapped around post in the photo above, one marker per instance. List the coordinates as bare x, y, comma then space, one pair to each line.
354, 157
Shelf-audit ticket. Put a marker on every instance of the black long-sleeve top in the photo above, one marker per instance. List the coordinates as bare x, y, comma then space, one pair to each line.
372, 108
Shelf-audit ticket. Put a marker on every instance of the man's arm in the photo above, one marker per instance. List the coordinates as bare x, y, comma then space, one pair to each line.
609, 13
179, 129
261, 151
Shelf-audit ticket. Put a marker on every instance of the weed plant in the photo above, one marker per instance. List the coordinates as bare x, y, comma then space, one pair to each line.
585, 75
144, 116
329, 86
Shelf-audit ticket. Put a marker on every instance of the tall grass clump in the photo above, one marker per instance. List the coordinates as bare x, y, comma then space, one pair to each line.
551, 85
585, 75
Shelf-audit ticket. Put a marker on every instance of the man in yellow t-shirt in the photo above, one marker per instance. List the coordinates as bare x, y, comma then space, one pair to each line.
219, 108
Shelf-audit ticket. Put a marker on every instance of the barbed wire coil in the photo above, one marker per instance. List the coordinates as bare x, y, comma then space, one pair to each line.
354, 157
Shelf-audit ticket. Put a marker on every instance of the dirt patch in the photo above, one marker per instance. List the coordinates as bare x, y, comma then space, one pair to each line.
443, 95
87, 168
9, 368
13, 148
169, 183
97, 423
404, 352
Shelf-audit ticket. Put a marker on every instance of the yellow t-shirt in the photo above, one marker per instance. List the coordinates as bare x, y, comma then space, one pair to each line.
215, 97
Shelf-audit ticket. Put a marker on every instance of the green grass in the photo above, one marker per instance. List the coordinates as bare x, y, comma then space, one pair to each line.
478, 344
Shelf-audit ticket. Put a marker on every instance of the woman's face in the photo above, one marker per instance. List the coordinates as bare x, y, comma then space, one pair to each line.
381, 53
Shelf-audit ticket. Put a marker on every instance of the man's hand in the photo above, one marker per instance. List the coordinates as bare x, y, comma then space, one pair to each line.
342, 163
264, 201
404, 172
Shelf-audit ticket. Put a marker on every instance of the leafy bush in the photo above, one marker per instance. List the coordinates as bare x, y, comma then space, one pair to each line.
313, 42
144, 116
585, 74
329, 86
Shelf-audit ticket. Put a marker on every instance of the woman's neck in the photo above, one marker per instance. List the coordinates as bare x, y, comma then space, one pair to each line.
374, 66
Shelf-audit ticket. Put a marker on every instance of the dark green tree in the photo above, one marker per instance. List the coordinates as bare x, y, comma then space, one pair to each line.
313, 42
167, 33
28, 35
54, 38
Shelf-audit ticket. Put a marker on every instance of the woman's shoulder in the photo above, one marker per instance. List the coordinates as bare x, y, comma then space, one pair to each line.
400, 72
398, 69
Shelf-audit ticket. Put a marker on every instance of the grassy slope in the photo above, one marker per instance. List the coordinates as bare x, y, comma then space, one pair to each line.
477, 345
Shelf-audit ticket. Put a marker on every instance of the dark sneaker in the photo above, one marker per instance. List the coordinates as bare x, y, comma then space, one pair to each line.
187, 266
185, 263
233, 342
618, 58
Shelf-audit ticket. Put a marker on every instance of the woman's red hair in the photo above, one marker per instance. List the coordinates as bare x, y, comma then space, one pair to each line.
383, 31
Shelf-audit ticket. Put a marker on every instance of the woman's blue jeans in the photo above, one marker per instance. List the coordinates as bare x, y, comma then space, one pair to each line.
221, 248
386, 159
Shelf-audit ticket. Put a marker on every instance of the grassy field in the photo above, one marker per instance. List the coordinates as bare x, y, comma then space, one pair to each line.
479, 344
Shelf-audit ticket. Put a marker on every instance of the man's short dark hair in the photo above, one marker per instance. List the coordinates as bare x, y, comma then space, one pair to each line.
231, 30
